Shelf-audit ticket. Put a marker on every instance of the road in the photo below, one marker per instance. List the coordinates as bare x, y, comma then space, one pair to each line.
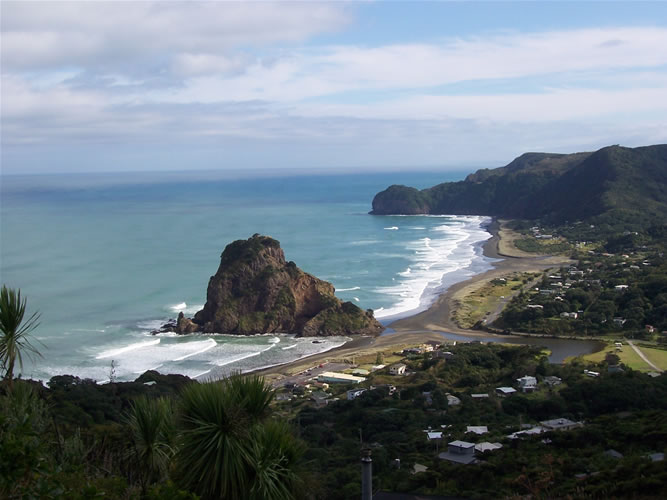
641, 355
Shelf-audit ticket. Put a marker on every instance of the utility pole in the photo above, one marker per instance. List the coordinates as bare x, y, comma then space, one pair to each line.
366, 474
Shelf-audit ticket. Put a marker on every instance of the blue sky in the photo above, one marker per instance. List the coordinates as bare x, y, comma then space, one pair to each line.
136, 86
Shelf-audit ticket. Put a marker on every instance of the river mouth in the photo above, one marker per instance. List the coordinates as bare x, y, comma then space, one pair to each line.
560, 349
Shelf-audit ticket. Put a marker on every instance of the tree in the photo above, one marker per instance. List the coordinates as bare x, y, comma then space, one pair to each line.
228, 448
151, 423
14, 331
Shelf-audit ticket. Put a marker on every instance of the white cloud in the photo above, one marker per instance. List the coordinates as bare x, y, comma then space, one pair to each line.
190, 73
113, 35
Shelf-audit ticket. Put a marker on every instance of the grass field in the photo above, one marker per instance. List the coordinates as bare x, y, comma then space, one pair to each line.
475, 306
631, 359
530, 244
656, 356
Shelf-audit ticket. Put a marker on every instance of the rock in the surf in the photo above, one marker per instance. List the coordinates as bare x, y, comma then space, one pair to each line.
255, 290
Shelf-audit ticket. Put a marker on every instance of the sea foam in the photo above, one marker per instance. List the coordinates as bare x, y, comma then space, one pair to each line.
447, 249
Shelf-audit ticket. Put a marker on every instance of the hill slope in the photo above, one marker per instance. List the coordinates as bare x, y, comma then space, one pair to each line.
630, 183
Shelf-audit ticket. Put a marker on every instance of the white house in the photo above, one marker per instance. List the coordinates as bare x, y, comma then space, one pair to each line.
527, 383
397, 369
355, 393
505, 391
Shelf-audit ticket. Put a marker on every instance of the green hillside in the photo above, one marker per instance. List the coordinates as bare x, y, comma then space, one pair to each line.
624, 183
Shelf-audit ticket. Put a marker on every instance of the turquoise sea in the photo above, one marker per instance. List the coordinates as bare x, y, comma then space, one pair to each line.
106, 258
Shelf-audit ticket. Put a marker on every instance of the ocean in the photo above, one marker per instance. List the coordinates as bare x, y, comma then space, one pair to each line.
106, 258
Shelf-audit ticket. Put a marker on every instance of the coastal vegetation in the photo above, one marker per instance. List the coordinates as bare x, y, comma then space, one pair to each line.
173, 438
166, 436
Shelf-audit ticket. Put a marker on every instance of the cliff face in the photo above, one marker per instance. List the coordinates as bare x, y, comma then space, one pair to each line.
256, 291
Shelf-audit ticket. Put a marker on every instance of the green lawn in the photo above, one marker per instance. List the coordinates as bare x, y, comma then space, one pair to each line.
628, 357
656, 356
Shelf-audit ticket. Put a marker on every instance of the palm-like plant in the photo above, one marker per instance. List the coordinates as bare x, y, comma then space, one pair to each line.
227, 449
14, 340
151, 422
276, 456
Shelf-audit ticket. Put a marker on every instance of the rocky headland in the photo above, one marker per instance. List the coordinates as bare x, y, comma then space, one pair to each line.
255, 290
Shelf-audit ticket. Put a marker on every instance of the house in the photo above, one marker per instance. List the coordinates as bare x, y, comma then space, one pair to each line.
613, 454
533, 431
477, 429
397, 369
413, 350
360, 372
621, 288
460, 452
486, 446
534, 306
355, 393
505, 391
480, 396
552, 380
559, 424
650, 329
591, 373
527, 383
320, 398
453, 400
569, 315
431, 436
391, 389
427, 398
339, 378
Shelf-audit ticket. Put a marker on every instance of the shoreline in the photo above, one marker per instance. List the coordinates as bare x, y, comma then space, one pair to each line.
431, 323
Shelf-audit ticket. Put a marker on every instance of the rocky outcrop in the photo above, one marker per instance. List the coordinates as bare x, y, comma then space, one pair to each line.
255, 290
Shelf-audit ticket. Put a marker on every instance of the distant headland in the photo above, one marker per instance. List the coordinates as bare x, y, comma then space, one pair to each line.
612, 183
255, 290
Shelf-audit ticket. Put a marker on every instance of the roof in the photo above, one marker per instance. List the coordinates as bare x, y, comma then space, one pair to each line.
484, 395
558, 423
486, 446
434, 435
339, 376
453, 400
528, 432
457, 457
613, 454
419, 468
461, 444
477, 429
506, 390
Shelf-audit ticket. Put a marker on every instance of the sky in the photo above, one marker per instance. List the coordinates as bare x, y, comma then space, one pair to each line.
93, 86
